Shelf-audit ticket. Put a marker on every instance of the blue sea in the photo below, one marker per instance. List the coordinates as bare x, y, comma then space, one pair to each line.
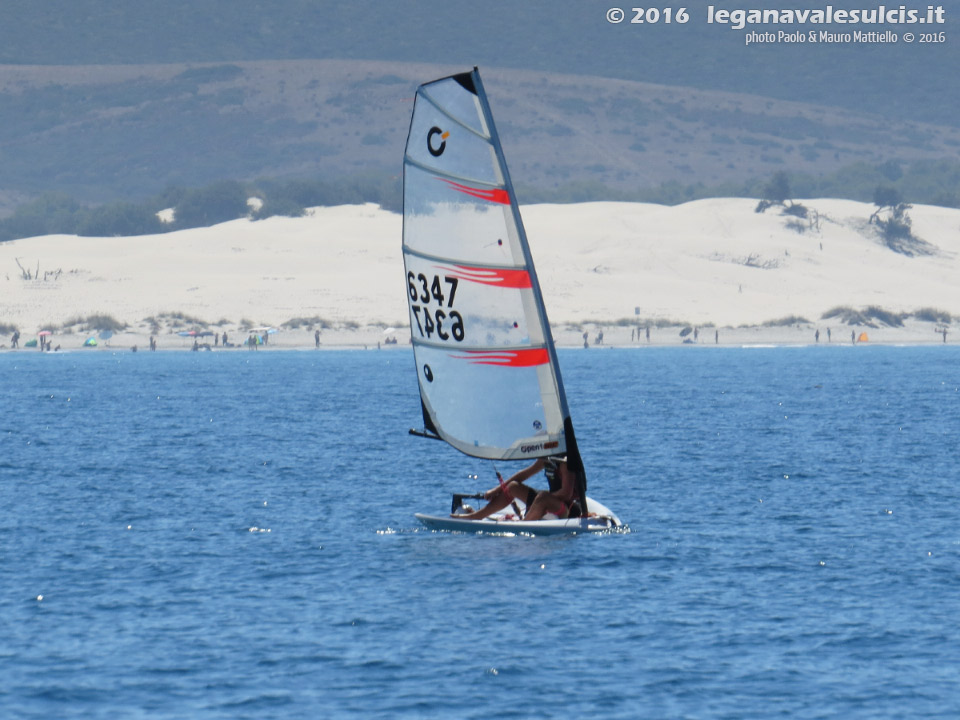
231, 535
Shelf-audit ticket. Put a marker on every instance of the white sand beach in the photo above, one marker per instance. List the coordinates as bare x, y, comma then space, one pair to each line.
715, 265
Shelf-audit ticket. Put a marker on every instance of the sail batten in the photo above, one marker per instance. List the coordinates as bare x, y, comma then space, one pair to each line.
481, 348
441, 175
460, 263
489, 378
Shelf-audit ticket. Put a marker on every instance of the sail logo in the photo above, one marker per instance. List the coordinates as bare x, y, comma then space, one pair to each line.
495, 195
497, 277
529, 357
438, 150
539, 446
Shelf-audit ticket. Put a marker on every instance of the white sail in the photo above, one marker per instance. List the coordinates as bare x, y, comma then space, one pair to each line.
486, 362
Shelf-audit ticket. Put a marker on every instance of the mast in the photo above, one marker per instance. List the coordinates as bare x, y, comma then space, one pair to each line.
574, 461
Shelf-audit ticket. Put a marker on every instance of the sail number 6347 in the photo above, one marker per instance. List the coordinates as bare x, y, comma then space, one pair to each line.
424, 291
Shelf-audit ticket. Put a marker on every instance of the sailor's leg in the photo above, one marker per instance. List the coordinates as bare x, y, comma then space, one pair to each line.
496, 500
546, 503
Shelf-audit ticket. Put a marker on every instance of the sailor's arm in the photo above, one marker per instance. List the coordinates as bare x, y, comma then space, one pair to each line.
519, 477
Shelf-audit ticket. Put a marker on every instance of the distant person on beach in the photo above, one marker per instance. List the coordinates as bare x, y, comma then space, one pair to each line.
15, 339
944, 334
316, 338
216, 339
585, 342
559, 499
853, 337
829, 335
224, 338
648, 333
716, 337
153, 343
816, 335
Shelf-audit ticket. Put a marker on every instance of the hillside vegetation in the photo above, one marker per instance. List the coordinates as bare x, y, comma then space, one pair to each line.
902, 82
928, 182
104, 134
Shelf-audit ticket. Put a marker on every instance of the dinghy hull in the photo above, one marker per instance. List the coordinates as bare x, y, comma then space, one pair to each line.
601, 519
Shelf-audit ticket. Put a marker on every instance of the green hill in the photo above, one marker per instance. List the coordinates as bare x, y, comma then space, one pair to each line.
903, 81
109, 101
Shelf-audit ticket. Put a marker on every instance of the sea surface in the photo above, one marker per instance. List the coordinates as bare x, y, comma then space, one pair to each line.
231, 535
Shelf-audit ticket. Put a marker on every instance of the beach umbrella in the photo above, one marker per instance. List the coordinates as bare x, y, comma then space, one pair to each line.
389, 330
44, 333
686, 331
90, 342
105, 335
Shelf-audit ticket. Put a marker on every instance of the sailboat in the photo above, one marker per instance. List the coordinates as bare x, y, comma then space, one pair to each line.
486, 363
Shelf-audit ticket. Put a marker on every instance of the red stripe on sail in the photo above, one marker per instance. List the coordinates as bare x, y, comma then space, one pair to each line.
506, 358
498, 277
497, 195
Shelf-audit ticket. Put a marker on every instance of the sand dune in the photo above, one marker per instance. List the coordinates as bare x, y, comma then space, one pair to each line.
714, 264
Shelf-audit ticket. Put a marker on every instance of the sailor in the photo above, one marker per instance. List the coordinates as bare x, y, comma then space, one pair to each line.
559, 499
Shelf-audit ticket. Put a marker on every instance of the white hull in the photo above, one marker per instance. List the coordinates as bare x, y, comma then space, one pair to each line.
505, 522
